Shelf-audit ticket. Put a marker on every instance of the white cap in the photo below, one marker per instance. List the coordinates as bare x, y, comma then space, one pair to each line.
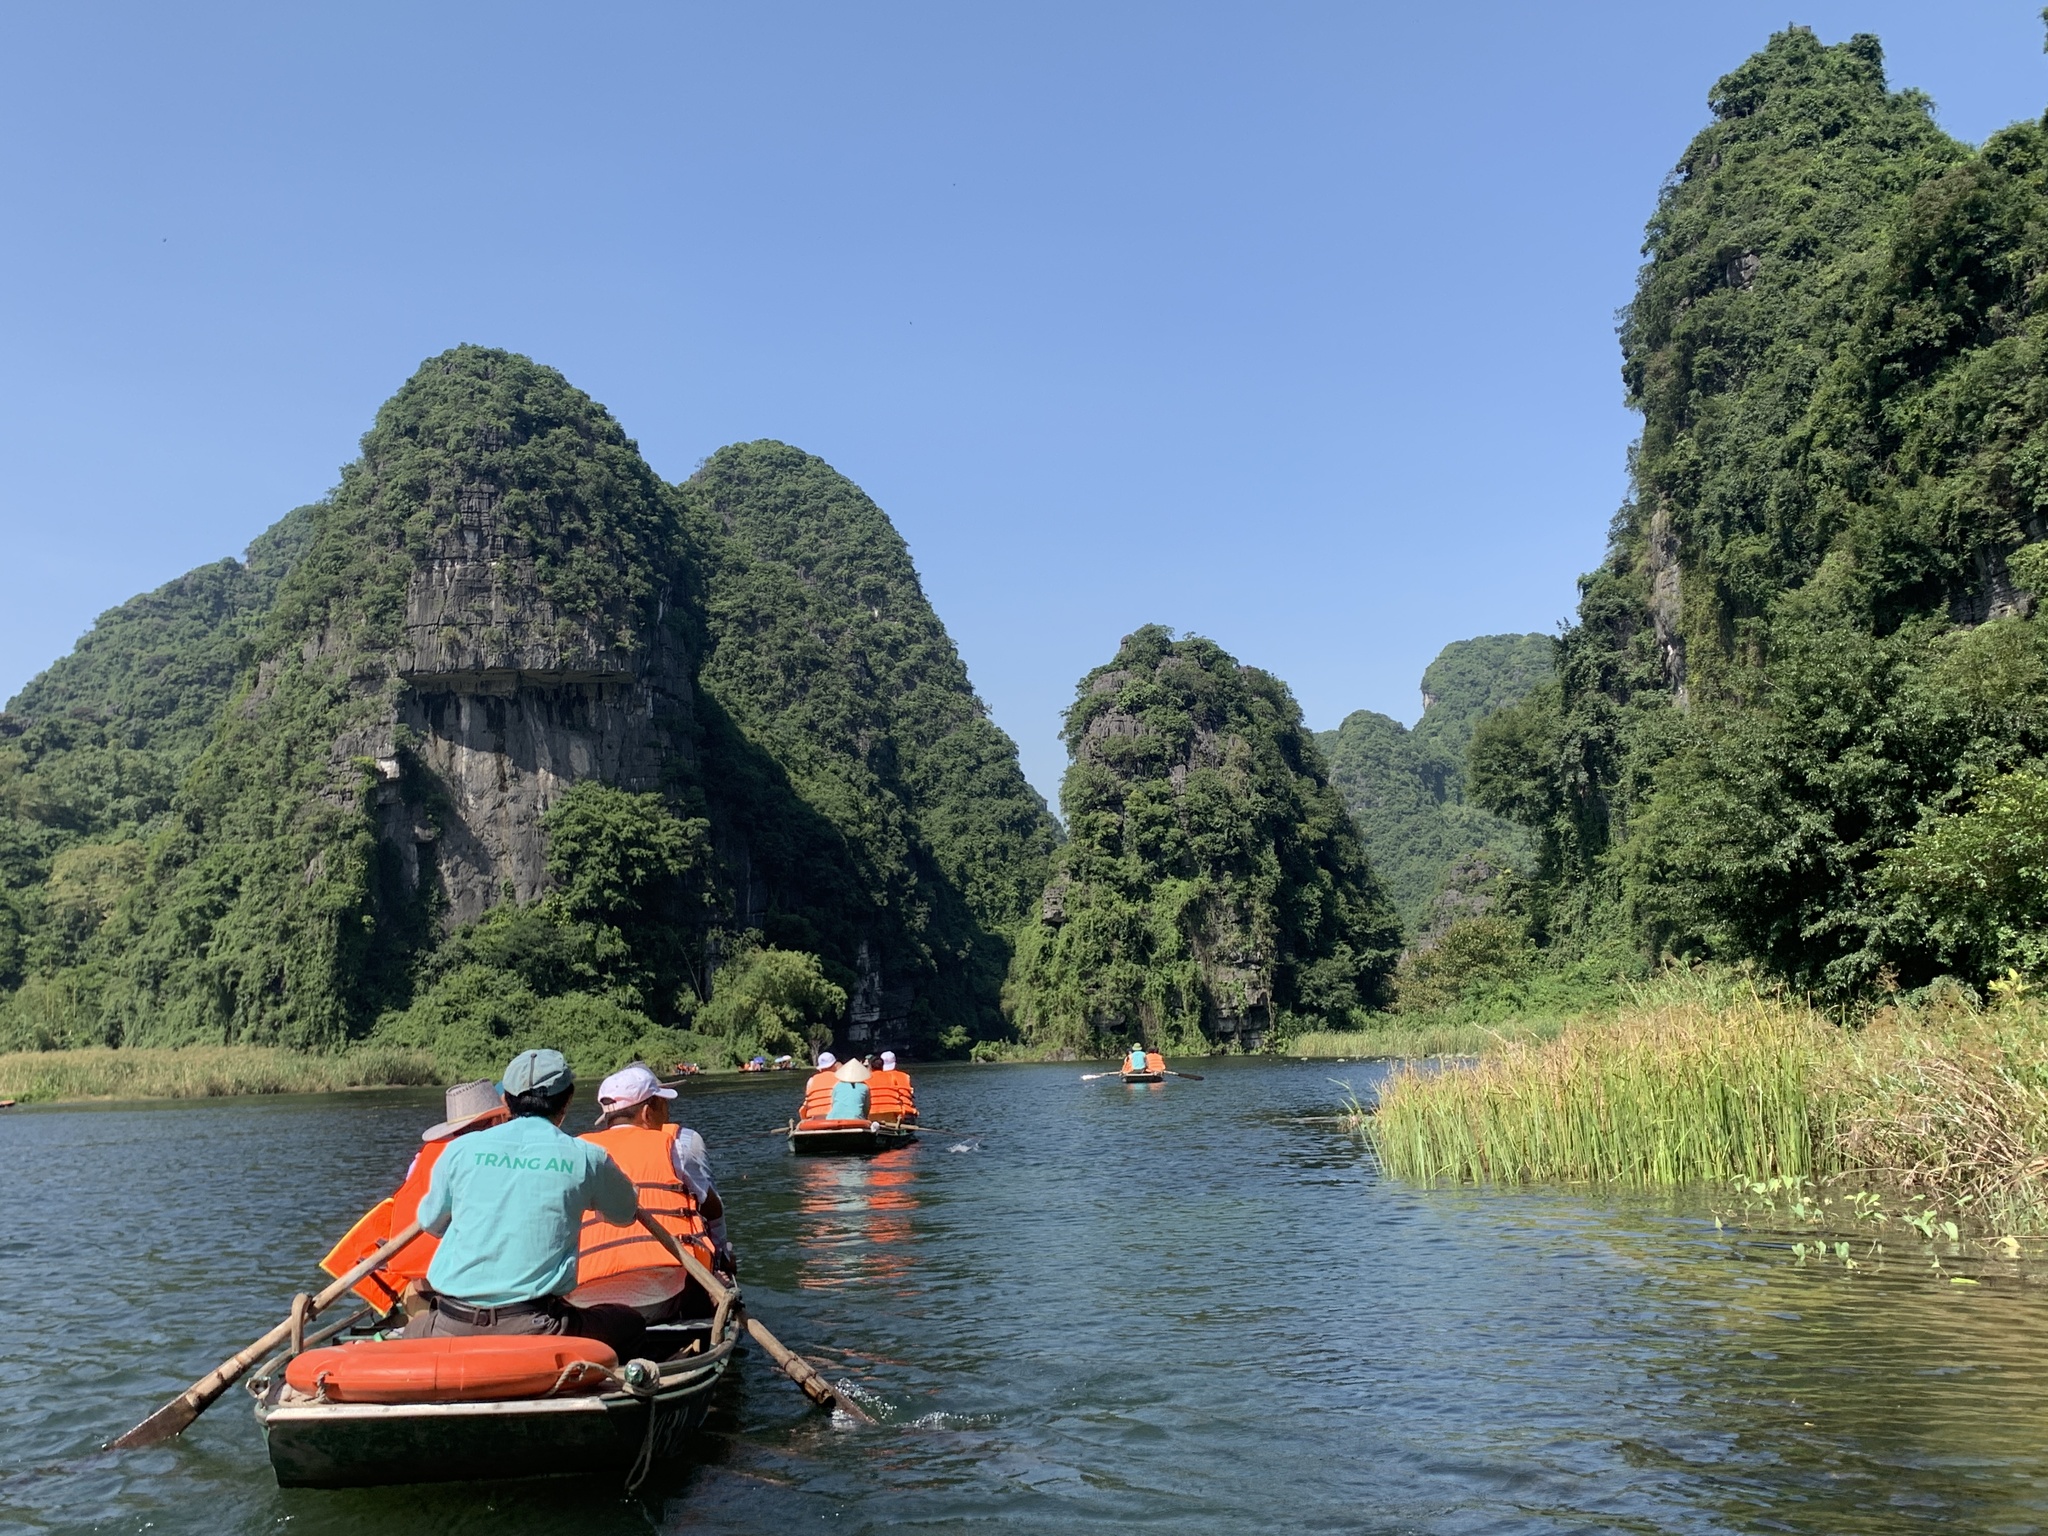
826, 1059
629, 1086
888, 1061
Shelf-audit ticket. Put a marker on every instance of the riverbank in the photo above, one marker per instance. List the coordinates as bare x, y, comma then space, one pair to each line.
1402, 1040
1939, 1101
205, 1072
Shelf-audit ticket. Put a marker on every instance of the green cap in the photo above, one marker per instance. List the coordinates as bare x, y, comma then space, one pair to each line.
538, 1072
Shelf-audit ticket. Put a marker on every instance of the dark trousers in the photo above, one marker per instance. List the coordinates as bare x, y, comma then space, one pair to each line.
620, 1327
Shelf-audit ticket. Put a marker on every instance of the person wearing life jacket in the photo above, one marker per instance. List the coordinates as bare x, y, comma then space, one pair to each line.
671, 1171
818, 1091
466, 1107
507, 1203
849, 1092
1154, 1062
890, 1096
1135, 1062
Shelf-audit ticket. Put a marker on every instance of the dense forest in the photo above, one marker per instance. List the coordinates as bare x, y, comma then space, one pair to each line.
1212, 888
508, 737
1800, 720
1406, 789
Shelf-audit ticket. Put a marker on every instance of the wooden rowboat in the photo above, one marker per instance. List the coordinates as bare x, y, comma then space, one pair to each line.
1143, 1077
858, 1137
613, 1433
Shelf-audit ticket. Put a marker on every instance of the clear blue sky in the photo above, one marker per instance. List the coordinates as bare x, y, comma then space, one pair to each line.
1290, 324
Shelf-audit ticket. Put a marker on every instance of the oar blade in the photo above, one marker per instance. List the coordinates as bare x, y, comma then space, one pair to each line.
167, 1423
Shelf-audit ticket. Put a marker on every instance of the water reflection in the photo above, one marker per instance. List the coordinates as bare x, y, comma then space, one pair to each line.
854, 1222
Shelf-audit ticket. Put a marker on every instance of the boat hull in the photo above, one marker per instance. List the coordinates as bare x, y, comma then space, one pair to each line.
317, 1444
366, 1445
1143, 1077
850, 1141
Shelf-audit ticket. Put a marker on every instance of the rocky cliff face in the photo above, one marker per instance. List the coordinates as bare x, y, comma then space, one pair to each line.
484, 616
508, 699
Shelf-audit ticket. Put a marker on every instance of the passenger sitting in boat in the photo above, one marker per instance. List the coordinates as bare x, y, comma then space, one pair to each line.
849, 1093
1154, 1062
466, 1107
1135, 1062
818, 1091
672, 1173
890, 1096
508, 1208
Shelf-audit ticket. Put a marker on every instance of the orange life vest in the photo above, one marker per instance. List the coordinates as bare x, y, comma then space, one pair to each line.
383, 1287
647, 1158
1154, 1062
890, 1096
818, 1096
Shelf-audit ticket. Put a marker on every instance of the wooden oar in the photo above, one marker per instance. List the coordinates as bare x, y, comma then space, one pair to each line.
176, 1416
1193, 1077
793, 1365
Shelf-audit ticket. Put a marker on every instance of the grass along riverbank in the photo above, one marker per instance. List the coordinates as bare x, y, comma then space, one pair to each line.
205, 1072
1399, 1038
1698, 1081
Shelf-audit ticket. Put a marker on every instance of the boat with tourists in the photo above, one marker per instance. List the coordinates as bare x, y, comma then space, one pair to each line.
371, 1410
855, 1137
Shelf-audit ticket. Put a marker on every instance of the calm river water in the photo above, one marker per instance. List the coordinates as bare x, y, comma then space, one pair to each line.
1193, 1307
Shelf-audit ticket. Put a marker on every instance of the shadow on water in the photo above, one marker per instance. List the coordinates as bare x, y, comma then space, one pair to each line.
1193, 1306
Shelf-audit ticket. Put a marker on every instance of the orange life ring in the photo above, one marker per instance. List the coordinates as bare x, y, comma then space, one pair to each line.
480, 1368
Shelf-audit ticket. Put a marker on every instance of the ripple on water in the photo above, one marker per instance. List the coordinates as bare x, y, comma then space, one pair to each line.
1188, 1307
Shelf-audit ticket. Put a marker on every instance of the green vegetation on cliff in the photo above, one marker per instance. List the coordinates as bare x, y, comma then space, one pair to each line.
1212, 885
882, 819
507, 734
1406, 789
1810, 646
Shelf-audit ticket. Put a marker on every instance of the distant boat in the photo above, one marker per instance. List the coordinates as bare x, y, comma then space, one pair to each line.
1143, 1077
856, 1137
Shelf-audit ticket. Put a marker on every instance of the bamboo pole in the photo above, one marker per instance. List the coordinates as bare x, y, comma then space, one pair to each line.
792, 1365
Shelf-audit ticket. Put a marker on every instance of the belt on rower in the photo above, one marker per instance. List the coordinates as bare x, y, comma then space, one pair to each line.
490, 1317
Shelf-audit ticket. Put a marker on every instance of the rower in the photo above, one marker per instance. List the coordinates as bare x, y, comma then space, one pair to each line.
508, 1208
1135, 1062
850, 1092
671, 1172
890, 1096
818, 1091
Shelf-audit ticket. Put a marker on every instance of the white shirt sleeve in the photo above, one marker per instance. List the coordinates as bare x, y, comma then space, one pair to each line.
692, 1161
693, 1166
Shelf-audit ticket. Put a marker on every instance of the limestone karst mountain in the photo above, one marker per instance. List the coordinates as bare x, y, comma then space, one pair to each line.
1406, 788
356, 744
1212, 885
1809, 655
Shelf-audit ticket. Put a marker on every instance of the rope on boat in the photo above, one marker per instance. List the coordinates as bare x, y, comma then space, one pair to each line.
576, 1372
642, 1378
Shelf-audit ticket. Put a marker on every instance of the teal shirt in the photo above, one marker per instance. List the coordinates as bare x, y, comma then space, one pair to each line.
508, 1203
849, 1101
